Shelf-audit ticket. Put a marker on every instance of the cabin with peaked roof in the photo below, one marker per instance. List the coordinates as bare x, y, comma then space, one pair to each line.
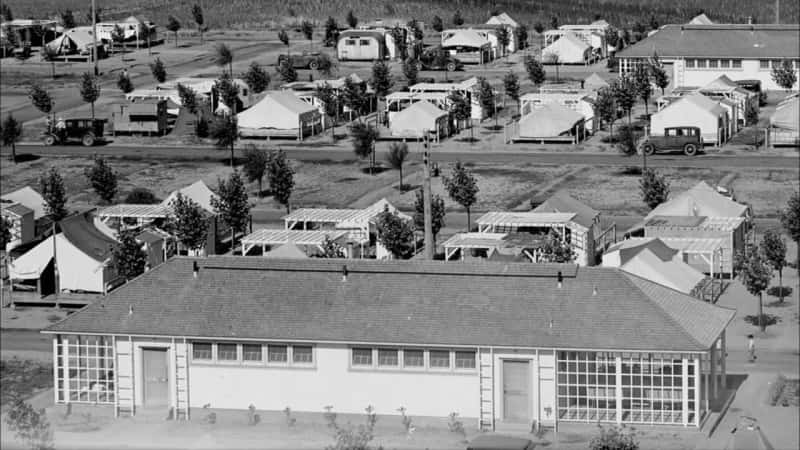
467, 45
184, 338
694, 110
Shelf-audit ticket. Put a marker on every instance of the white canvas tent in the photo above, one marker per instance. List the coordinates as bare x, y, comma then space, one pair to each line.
29, 198
418, 119
701, 19
280, 113
549, 121
693, 110
76, 40
198, 191
502, 19
785, 124
672, 273
594, 82
570, 50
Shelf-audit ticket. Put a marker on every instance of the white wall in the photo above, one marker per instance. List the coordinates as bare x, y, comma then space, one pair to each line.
542, 386
750, 71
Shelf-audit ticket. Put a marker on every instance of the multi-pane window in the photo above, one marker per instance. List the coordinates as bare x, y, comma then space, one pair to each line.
363, 42
388, 357
725, 63
201, 351
84, 369
362, 356
302, 354
736, 63
701, 63
651, 388
777, 63
251, 352
465, 360
350, 42
439, 359
763, 64
690, 63
227, 352
277, 353
587, 386
413, 358
712, 63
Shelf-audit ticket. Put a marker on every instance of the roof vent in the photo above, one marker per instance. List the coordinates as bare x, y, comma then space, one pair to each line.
551, 323
594, 291
560, 278
195, 269
344, 273
130, 310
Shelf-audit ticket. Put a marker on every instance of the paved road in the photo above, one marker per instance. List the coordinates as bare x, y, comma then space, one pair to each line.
30, 340
311, 153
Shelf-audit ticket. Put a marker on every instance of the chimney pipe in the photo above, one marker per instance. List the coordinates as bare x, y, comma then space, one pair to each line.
560, 278
195, 268
344, 273
594, 290
130, 310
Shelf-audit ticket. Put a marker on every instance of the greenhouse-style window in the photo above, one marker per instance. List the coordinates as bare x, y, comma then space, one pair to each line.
85, 369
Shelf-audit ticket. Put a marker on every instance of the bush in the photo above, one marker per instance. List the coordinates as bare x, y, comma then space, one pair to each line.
768, 319
609, 139
201, 128
614, 438
631, 171
141, 196
775, 291
626, 142
30, 426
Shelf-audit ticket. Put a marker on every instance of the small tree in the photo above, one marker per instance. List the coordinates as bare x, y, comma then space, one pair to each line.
55, 197
128, 257
554, 23
286, 72
644, 89
462, 188
10, 132
158, 70
626, 141
68, 19
257, 78
224, 57
461, 109
457, 19
612, 36
325, 64
437, 24
283, 36
307, 28
5, 232
141, 196
40, 98
188, 98
395, 234
754, 273
410, 71
399, 38
354, 96
784, 75
522, 36
228, 92
503, 39
535, 70
538, 27
231, 204
331, 32
486, 97
225, 131
654, 188
330, 249
197, 14
50, 54
117, 37
364, 137
653, 23
437, 214
188, 223
774, 249
255, 165
624, 90
660, 77
416, 30
381, 80
103, 179
352, 20
281, 178
555, 59
90, 89
173, 25
329, 98
511, 86
555, 250
614, 438
606, 107
790, 219
29, 425
398, 153
124, 83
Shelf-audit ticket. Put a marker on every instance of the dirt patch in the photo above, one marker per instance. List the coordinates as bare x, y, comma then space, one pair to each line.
21, 378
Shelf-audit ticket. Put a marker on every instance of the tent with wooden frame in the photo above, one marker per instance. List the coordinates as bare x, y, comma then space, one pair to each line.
552, 122
419, 119
569, 48
280, 114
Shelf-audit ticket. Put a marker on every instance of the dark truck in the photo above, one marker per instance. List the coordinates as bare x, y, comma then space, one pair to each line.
88, 131
303, 60
686, 139
438, 59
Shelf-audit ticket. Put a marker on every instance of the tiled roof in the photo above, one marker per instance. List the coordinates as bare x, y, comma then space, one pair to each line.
403, 302
720, 40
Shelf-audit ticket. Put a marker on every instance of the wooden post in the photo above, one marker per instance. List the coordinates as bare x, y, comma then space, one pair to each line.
426, 191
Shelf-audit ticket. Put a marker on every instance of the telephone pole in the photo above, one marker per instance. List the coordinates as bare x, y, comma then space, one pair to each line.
94, 39
426, 199
777, 11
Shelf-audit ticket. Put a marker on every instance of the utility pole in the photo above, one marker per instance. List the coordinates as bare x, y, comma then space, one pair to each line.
94, 39
777, 11
426, 200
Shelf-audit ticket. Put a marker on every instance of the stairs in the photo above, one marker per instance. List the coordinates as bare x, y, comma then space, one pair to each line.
181, 380
486, 373
124, 403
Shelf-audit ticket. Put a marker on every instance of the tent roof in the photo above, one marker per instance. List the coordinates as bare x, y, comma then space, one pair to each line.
79, 230
198, 191
274, 104
568, 39
524, 219
701, 19
685, 245
721, 82
286, 251
299, 237
30, 198
549, 120
502, 19
595, 80
466, 38
631, 247
787, 115
670, 273
82, 36
422, 112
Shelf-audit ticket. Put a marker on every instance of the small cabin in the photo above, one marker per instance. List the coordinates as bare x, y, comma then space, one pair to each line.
141, 117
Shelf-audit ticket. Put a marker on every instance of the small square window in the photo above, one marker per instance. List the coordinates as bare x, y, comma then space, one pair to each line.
201, 351
465, 360
777, 63
725, 63
713, 63
690, 63
439, 359
736, 63
763, 63
302, 354
388, 357
227, 352
363, 42
251, 352
350, 42
362, 356
701, 63
413, 358
277, 353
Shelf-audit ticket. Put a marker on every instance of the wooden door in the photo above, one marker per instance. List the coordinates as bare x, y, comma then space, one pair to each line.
516, 391
156, 377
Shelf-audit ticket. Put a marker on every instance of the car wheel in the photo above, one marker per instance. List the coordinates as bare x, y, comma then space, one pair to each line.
649, 149
88, 140
451, 67
690, 149
313, 65
49, 140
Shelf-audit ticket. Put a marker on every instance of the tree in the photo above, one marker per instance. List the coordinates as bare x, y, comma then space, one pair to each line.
521, 33
612, 36
774, 249
395, 234
754, 273
55, 197
554, 23
462, 188
461, 109
188, 223
5, 232
307, 28
255, 165
5, 12
437, 24
624, 90
29, 425
90, 89
535, 70
654, 188
283, 36
555, 250
117, 37
660, 77
286, 72
68, 19
231, 204
538, 27
188, 98
225, 131
606, 107
331, 249
364, 137
503, 39
486, 97
381, 80
441, 58
639, 30
173, 25
352, 20
331, 32
40, 98
124, 83
410, 71
257, 78
511, 86
457, 19
224, 57
10, 132
416, 30
98, 12
398, 153
141, 196
325, 64
555, 59
354, 96
103, 179
790, 219
281, 178
129, 258
653, 23
437, 214
399, 38
228, 92
50, 54
644, 89
329, 98
197, 14
784, 75
158, 70
614, 438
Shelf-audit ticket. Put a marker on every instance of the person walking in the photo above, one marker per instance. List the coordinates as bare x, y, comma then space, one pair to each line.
751, 348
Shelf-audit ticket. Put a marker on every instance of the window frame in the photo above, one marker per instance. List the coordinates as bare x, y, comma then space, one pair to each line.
423, 360
464, 369
210, 358
260, 361
303, 363
287, 357
397, 358
228, 361
371, 353
440, 368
